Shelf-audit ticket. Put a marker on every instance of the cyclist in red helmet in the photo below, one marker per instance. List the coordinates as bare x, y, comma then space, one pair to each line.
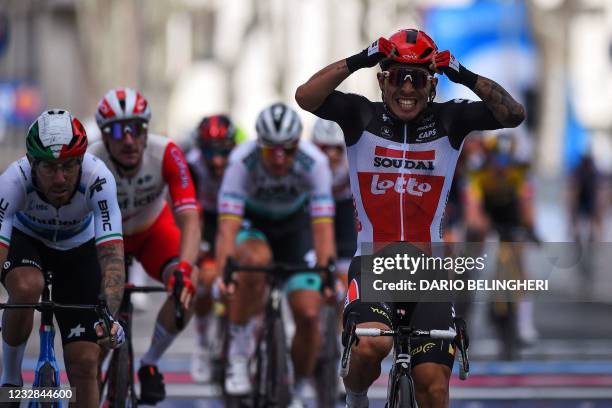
402, 154
215, 137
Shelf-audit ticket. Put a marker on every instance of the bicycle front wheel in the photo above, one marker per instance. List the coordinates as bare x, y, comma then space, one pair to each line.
326, 370
47, 379
278, 383
404, 394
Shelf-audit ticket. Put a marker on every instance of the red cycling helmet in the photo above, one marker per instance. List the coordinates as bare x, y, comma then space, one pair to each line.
412, 47
216, 130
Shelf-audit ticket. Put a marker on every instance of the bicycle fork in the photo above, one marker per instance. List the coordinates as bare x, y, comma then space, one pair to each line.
401, 368
47, 369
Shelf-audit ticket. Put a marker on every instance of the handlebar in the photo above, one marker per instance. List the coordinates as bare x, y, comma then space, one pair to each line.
101, 309
129, 289
434, 334
179, 311
231, 266
351, 333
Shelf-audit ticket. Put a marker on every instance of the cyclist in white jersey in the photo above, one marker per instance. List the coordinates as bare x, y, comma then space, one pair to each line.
59, 213
282, 186
148, 168
402, 155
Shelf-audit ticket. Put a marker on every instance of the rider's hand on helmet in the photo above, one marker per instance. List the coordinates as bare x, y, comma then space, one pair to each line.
187, 292
372, 55
446, 63
116, 338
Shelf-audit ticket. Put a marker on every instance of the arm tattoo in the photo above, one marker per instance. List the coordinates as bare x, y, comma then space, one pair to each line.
112, 265
339, 67
505, 109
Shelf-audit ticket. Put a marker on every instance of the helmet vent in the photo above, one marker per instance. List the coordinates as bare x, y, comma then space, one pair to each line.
411, 36
426, 53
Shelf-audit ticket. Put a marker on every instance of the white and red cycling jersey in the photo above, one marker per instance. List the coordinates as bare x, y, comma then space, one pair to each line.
401, 173
151, 234
143, 197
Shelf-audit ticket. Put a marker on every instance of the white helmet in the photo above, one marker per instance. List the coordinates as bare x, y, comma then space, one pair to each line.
122, 104
278, 124
327, 133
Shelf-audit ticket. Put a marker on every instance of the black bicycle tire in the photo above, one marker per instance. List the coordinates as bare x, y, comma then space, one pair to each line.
46, 378
118, 378
326, 372
278, 383
404, 393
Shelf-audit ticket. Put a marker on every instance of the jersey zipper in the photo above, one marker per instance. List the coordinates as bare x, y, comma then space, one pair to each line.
402, 191
57, 222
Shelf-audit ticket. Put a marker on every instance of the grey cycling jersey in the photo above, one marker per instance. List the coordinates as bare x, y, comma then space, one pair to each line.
206, 184
91, 213
247, 186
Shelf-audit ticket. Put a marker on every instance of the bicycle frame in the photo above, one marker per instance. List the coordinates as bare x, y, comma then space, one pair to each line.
47, 373
401, 364
266, 392
46, 359
401, 367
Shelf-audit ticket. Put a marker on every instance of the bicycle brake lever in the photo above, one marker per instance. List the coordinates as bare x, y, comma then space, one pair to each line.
228, 271
179, 313
105, 315
330, 278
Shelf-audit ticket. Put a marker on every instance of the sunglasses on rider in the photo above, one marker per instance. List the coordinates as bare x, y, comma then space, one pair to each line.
49, 168
275, 150
417, 77
118, 130
211, 152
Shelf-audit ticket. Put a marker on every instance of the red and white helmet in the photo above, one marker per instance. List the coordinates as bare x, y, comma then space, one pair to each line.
122, 104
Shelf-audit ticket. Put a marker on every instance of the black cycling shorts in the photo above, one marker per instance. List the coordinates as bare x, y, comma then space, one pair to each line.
76, 279
290, 239
210, 230
424, 315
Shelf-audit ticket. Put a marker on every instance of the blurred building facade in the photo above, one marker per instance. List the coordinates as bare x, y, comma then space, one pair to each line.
196, 57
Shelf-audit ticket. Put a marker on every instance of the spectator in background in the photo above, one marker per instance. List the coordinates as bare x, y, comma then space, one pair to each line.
585, 201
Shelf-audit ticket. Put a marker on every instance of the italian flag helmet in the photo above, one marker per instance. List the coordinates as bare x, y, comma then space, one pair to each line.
56, 134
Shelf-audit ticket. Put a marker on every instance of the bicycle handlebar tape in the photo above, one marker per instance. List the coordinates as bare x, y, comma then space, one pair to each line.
442, 334
368, 332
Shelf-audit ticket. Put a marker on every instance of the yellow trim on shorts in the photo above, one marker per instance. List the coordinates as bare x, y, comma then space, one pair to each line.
319, 220
230, 217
